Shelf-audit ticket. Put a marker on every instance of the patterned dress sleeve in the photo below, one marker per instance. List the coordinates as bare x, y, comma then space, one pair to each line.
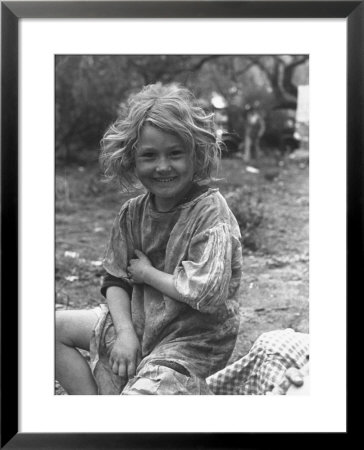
120, 247
203, 280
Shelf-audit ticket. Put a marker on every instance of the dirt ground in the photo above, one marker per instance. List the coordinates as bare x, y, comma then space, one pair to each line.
275, 280
274, 291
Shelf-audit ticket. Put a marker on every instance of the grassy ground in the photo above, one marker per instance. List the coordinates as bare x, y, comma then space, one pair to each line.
274, 289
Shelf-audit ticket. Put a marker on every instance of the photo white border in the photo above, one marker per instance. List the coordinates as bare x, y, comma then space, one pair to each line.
325, 408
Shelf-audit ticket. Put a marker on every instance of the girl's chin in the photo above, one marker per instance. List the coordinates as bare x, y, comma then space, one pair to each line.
166, 195
167, 198
166, 189
172, 191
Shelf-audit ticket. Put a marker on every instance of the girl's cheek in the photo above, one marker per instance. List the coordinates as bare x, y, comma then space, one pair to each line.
143, 166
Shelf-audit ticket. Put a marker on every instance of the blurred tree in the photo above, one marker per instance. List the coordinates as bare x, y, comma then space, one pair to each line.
280, 71
91, 88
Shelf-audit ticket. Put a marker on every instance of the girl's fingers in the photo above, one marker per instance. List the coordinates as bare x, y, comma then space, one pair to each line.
114, 367
122, 370
131, 370
118, 369
130, 275
138, 253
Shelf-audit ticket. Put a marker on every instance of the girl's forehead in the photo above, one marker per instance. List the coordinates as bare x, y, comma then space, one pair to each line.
150, 135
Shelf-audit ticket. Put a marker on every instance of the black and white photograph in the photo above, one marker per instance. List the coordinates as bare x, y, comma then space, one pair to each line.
181, 206
182, 224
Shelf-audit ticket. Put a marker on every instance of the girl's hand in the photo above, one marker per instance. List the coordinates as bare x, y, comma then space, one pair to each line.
125, 355
138, 267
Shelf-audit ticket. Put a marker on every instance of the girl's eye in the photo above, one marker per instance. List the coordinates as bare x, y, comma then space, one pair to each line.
177, 153
148, 155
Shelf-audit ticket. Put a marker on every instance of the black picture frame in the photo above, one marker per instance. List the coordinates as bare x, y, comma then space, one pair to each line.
11, 12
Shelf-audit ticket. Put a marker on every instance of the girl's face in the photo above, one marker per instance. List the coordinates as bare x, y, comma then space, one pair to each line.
164, 166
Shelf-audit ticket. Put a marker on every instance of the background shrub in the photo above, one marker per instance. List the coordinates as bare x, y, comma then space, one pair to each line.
247, 206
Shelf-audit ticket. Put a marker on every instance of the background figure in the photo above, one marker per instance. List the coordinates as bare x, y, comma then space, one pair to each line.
254, 130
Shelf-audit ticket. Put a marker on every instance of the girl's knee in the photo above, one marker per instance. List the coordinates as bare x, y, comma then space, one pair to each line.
61, 327
75, 328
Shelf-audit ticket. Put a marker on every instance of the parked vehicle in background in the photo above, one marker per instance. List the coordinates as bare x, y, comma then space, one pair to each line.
280, 129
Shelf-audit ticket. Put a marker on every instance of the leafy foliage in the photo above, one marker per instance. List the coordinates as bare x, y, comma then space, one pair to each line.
91, 89
248, 208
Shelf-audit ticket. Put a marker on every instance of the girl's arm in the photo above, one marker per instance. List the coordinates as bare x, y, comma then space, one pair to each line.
126, 352
118, 302
202, 282
142, 271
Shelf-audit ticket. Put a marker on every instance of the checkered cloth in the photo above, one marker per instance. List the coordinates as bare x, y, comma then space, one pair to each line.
264, 366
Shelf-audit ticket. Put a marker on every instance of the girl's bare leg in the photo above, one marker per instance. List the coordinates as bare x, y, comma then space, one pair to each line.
74, 329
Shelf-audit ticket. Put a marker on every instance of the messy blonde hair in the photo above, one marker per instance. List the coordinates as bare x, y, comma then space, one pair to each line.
172, 109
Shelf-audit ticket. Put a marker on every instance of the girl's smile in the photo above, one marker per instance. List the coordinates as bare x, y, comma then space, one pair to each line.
165, 180
164, 166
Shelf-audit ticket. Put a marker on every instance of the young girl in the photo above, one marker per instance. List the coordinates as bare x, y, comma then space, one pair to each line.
173, 261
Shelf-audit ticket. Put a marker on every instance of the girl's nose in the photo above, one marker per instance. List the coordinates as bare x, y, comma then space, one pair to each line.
163, 164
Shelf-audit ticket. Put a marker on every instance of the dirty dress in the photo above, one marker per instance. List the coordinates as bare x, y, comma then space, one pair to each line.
198, 242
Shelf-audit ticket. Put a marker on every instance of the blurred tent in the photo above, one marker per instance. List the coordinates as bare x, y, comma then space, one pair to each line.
303, 117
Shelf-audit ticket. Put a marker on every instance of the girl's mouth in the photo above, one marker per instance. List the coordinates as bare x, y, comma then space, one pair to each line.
164, 180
